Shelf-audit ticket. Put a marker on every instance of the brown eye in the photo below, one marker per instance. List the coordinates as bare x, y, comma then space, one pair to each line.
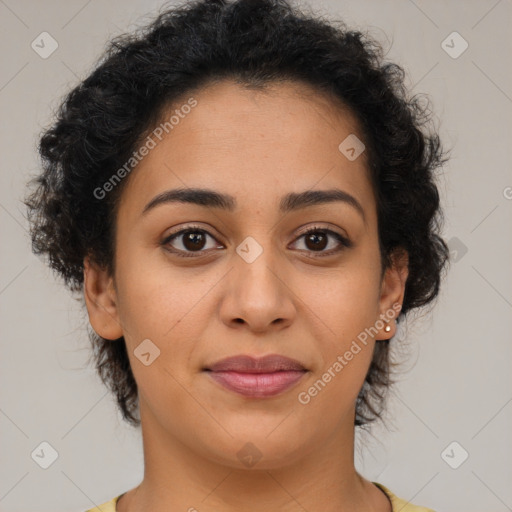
190, 240
316, 239
194, 240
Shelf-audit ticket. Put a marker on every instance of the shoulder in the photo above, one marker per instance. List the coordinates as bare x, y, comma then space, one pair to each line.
399, 504
109, 506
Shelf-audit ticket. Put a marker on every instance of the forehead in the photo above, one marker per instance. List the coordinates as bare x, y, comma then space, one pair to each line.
254, 145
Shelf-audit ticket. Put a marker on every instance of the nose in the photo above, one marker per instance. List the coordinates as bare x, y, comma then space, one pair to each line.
257, 293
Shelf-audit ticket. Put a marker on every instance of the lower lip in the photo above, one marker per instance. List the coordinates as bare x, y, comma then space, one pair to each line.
257, 385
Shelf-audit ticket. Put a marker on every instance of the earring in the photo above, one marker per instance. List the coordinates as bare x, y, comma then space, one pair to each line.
387, 328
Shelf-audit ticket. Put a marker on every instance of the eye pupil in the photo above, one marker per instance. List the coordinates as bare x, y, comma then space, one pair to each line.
191, 240
314, 237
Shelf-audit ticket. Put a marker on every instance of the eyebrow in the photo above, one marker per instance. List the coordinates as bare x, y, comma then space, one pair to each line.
289, 203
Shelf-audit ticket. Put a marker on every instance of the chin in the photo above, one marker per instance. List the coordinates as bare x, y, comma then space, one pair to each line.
259, 450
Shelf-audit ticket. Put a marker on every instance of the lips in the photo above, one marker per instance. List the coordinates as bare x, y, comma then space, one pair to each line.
257, 378
248, 364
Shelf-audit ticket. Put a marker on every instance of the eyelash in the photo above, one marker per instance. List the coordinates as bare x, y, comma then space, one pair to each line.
345, 242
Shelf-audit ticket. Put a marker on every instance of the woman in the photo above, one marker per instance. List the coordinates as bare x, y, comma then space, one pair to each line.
244, 197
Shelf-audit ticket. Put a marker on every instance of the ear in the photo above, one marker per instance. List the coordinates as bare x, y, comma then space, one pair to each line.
392, 291
100, 298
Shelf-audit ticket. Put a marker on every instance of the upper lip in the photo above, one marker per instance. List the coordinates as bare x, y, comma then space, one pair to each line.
248, 364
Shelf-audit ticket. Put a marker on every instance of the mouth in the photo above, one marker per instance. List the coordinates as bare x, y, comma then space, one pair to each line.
257, 377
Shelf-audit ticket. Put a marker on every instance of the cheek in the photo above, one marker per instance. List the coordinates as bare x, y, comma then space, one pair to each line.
331, 394
161, 317
347, 306
346, 301
158, 311
154, 297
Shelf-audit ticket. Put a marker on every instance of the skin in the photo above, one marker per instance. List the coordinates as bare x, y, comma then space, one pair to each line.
256, 146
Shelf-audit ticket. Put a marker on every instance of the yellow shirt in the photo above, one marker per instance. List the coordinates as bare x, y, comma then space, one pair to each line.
398, 504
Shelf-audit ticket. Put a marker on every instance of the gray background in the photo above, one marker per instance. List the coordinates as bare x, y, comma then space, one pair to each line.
455, 382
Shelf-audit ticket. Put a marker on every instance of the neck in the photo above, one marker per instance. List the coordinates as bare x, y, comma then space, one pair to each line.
180, 477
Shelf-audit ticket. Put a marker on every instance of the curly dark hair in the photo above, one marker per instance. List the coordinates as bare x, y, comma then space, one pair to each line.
255, 43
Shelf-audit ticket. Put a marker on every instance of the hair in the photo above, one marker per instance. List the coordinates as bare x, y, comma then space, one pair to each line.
254, 43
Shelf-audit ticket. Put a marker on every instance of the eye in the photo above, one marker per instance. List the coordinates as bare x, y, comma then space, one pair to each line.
317, 238
193, 239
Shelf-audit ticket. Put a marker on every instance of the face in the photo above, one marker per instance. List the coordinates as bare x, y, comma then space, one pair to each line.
203, 283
